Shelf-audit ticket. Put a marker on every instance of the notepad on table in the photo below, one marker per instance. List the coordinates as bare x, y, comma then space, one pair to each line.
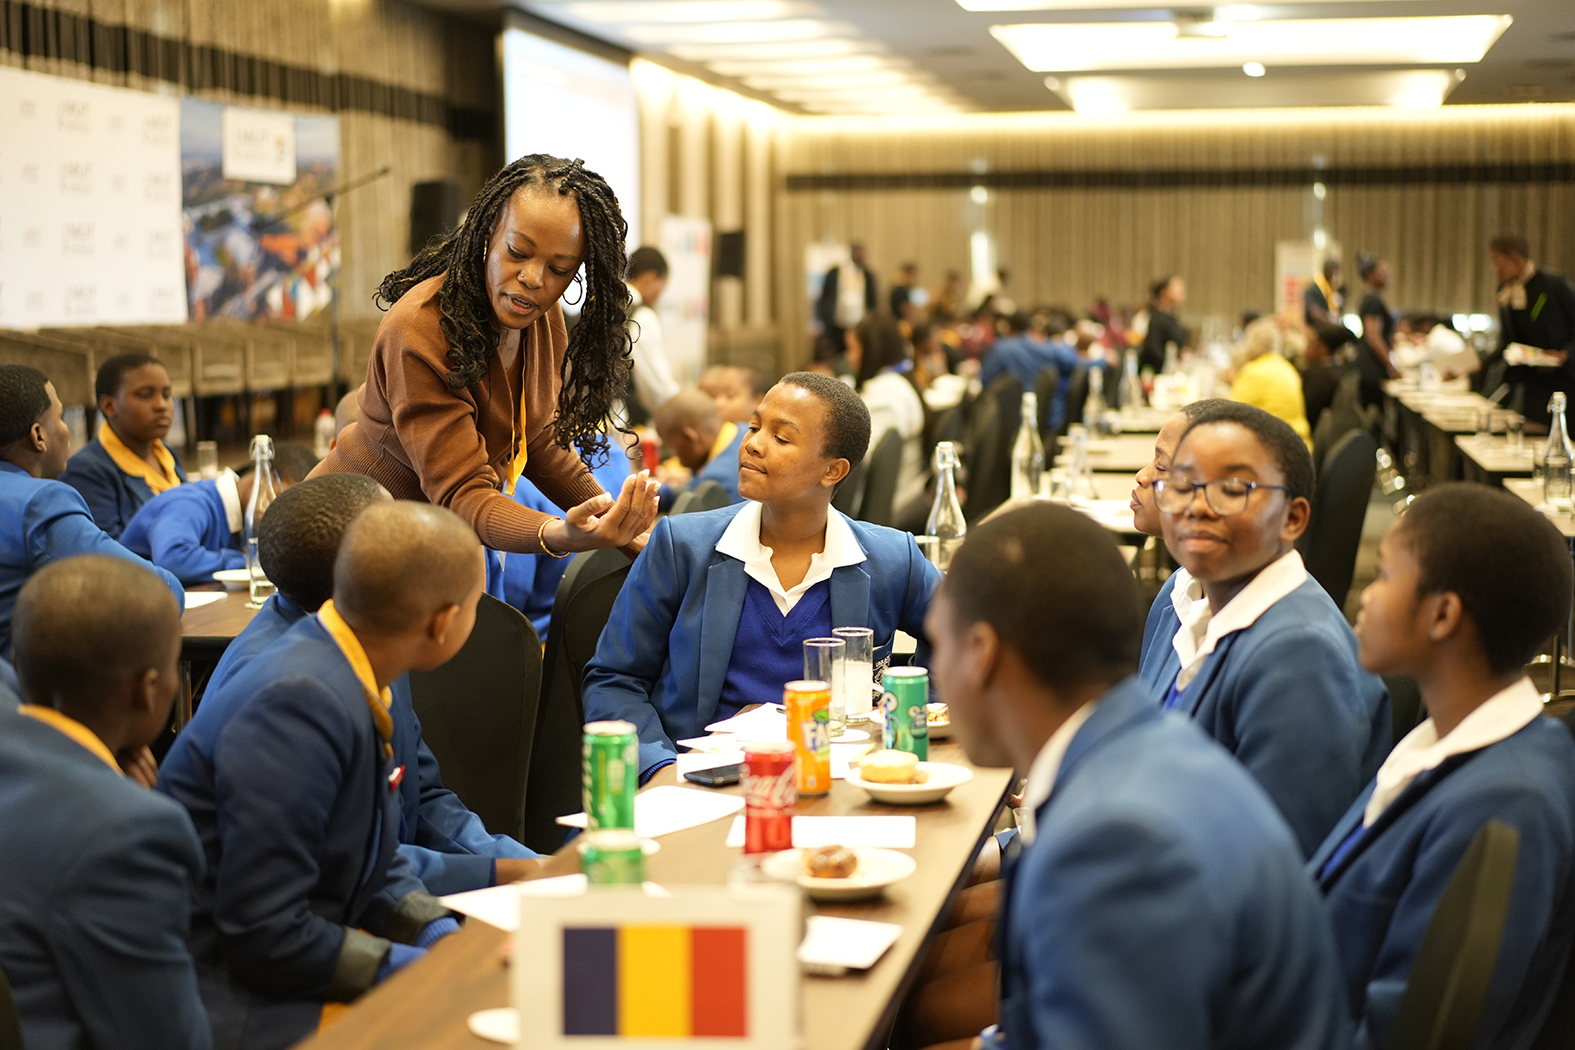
811, 832
833, 946
664, 810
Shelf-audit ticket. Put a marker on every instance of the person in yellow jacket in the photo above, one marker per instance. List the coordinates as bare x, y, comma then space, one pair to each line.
1268, 381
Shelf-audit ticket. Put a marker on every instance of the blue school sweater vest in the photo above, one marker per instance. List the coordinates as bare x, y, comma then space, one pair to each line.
768, 650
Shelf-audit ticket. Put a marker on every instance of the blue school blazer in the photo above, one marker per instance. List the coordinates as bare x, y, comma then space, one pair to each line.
664, 654
1382, 895
1162, 903
722, 468
98, 875
112, 495
1288, 697
284, 775
43, 521
449, 847
186, 530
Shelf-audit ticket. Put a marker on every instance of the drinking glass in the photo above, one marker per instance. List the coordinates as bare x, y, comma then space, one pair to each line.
826, 660
208, 460
1484, 425
859, 675
1515, 432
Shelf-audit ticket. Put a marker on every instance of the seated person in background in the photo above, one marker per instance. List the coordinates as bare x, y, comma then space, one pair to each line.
1158, 900
346, 412
1145, 515
98, 871
196, 529
289, 773
127, 464
1322, 369
1471, 582
1242, 640
447, 845
716, 608
530, 581
736, 390
1025, 353
42, 520
704, 443
1268, 381
884, 369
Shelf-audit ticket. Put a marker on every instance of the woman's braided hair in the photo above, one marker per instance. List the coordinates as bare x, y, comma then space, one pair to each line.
596, 367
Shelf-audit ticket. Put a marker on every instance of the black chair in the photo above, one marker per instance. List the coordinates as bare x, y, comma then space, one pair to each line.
1339, 508
850, 494
709, 495
987, 461
1405, 706
1559, 1029
1441, 1007
10, 1020
478, 715
1046, 384
579, 612
1076, 395
1007, 390
880, 484
949, 425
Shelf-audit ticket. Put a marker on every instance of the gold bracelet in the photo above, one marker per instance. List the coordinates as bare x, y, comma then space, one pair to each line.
541, 539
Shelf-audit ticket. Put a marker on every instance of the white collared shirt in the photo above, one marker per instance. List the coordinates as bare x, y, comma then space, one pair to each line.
654, 384
1202, 628
741, 540
230, 493
1501, 716
1047, 766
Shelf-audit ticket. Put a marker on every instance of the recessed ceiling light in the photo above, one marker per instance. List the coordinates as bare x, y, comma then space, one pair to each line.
873, 78
1103, 96
1087, 5
1062, 47
1238, 13
1253, 69
774, 51
615, 11
806, 67
734, 32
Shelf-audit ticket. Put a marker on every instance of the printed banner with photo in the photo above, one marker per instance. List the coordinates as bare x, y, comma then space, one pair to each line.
89, 204
259, 233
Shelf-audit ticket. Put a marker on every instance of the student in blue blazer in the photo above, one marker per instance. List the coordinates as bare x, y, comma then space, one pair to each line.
1242, 640
42, 520
690, 424
196, 530
127, 463
1471, 582
716, 609
98, 872
446, 844
1158, 899
290, 776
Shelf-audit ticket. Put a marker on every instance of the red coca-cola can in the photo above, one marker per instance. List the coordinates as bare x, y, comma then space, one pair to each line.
769, 796
650, 454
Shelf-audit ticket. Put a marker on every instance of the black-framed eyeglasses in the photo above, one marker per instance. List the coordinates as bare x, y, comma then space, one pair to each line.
1225, 496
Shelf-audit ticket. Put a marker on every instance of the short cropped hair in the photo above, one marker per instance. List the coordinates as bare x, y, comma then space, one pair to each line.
646, 260
298, 539
85, 627
112, 371
1157, 289
1274, 434
402, 561
847, 433
1052, 584
1509, 243
1366, 264
24, 398
1507, 562
292, 461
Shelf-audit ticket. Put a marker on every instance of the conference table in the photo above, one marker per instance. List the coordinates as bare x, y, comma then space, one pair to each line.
425, 1005
1490, 459
1530, 490
1123, 453
1423, 424
205, 632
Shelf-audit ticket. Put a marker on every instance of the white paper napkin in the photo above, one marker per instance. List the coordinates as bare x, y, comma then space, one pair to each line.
811, 832
834, 946
664, 810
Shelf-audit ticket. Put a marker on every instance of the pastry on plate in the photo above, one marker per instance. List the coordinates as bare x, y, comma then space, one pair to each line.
890, 767
830, 862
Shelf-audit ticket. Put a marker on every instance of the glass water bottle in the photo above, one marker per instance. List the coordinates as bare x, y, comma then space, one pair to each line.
1028, 452
1556, 468
946, 527
263, 491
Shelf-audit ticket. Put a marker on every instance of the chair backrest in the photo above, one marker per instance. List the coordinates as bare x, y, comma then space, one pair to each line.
684, 503
1076, 394
1332, 426
1405, 706
1007, 390
880, 484
1046, 384
850, 494
987, 461
709, 495
10, 1020
1441, 1007
1339, 508
479, 712
580, 609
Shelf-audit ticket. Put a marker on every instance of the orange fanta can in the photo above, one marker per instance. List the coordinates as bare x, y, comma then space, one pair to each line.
809, 728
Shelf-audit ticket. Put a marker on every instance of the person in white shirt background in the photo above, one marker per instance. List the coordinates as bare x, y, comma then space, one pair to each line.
883, 364
651, 376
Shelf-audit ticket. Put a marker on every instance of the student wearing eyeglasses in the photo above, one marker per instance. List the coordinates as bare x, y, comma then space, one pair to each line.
1242, 640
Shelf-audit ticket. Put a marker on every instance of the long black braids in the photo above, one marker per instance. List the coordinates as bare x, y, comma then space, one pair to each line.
596, 366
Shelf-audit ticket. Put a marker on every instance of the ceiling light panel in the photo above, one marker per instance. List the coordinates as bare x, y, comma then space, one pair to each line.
1104, 96
620, 11
808, 67
1062, 48
777, 51
790, 29
1091, 5
873, 78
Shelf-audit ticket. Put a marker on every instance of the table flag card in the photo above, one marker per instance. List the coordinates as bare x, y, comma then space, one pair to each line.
705, 968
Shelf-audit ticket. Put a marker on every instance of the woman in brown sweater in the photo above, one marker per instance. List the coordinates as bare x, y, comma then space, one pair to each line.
473, 380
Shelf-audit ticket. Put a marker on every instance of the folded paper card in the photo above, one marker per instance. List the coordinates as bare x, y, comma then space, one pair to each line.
767, 722
664, 810
832, 946
500, 905
811, 832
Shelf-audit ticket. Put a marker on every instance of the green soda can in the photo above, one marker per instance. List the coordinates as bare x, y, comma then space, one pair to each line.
904, 705
611, 774
612, 858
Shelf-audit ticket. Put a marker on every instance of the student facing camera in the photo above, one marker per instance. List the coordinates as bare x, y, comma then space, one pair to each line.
1242, 640
1471, 582
127, 463
716, 609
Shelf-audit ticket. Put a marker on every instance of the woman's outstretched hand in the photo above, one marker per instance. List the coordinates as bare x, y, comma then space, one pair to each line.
602, 521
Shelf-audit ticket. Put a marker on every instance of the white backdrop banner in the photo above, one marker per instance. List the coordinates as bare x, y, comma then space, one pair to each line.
259, 145
685, 306
90, 193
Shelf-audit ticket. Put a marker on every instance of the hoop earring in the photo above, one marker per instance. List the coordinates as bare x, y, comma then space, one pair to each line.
581, 286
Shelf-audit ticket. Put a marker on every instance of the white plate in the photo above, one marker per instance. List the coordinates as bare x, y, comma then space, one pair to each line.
878, 868
943, 776
940, 730
501, 1025
234, 579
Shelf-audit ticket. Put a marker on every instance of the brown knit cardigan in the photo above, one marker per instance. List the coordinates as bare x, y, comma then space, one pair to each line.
424, 440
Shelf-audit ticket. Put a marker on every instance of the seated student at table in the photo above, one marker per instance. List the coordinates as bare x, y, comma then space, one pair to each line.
447, 845
1158, 899
1242, 640
289, 773
1145, 516
1471, 582
98, 871
736, 390
127, 463
195, 530
1268, 381
42, 520
704, 443
715, 610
